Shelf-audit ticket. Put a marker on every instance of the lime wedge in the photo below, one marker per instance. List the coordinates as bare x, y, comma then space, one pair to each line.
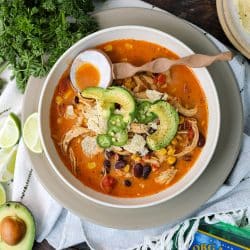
7, 163
2, 195
10, 131
31, 135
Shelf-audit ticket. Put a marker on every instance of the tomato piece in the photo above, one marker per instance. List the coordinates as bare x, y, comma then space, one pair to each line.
190, 134
160, 78
108, 183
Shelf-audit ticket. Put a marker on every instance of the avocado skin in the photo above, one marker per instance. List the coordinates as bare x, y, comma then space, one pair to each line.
12, 208
167, 129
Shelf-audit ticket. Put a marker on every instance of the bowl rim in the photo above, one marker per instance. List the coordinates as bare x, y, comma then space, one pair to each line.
105, 203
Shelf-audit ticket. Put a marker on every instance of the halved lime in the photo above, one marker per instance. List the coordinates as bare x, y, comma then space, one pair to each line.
10, 131
7, 163
2, 195
31, 134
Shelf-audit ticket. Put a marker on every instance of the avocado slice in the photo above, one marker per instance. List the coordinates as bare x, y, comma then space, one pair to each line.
93, 92
124, 98
167, 129
17, 227
113, 95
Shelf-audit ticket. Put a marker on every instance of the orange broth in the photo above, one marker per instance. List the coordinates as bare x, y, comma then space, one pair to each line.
184, 85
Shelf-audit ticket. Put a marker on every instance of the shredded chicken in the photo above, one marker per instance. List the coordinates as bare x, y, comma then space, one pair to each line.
72, 160
167, 176
149, 80
138, 128
71, 134
120, 151
153, 160
140, 85
192, 146
184, 111
70, 113
141, 95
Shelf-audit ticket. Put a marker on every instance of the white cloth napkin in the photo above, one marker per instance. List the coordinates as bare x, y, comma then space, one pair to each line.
63, 229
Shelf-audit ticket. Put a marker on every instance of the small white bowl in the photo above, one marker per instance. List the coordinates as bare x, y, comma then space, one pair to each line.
138, 33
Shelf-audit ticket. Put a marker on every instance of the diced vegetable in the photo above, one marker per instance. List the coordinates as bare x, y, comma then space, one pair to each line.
119, 137
160, 78
143, 115
117, 121
171, 160
108, 183
91, 165
103, 140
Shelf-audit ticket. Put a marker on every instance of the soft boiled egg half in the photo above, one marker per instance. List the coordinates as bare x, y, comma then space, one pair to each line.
91, 68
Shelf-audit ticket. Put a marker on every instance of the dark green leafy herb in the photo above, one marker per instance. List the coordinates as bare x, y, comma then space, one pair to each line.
33, 33
3, 66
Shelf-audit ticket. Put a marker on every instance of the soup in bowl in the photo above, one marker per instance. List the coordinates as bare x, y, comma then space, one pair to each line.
129, 142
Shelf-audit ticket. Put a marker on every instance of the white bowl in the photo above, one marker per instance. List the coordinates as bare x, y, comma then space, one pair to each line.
139, 33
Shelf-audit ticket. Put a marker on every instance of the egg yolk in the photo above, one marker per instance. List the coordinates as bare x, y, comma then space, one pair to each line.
87, 75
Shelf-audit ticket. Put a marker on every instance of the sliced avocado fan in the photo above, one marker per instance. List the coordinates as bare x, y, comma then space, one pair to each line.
167, 129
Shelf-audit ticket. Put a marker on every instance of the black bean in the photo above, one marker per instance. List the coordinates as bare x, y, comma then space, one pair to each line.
117, 106
187, 157
76, 99
107, 166
146, 171
127, 183
109, 154
138, 169
120, 164
202, 140
121, 157
151, 130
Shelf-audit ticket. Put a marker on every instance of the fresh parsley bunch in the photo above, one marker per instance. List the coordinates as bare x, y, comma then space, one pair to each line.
33, 33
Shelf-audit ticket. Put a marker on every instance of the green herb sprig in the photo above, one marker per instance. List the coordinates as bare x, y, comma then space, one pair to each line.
33, 33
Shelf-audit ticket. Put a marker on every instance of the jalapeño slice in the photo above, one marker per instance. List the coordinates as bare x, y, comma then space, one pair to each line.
117, 121
119, 137
103, 140
143, 114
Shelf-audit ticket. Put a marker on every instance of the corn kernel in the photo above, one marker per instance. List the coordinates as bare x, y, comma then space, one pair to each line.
181, 120
108, 48
174, 142
162, 151
171, 160
128, 46
126, 168
171, 151
135, 158
91, 165
67, 94
59, 100
59, 120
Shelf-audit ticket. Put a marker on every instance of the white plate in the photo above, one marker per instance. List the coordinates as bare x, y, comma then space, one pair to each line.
216, 172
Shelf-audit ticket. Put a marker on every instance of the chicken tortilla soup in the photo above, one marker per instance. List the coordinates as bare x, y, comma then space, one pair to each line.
136, 136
